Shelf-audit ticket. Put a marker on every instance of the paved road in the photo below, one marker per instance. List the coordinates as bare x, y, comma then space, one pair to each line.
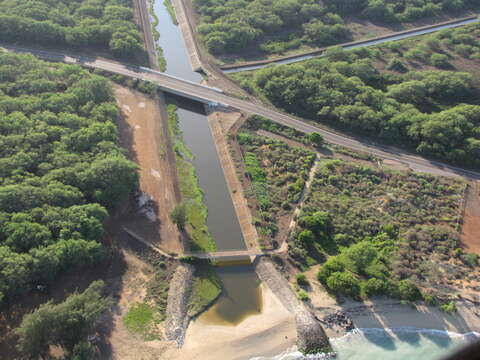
144, 17
289, 59
211, 96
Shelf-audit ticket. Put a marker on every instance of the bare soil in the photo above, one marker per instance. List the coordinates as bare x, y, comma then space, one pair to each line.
470, 234
118, 342
142, 134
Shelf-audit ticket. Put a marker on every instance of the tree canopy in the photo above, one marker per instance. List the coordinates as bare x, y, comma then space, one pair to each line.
433, 112
106, 24
66, 324
274, 26
60, 166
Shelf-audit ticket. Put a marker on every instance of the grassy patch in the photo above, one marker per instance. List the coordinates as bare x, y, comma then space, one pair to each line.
206, 289
140, 320
191, 193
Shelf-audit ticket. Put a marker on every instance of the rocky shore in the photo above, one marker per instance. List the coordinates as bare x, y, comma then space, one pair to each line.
177, 319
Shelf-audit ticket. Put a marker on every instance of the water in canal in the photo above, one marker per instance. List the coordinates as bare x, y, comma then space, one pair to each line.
241, 294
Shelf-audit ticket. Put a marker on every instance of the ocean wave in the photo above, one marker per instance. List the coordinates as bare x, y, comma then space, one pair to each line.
408, 330
357, 335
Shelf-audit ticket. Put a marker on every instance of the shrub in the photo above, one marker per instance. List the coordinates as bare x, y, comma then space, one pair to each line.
471, 259
306, 237
344, 283
302, 280
408, 291
440, 61
373, 287
179, 216
316, 139
449, 307
430, 299
332, 265
396, 65
302, 295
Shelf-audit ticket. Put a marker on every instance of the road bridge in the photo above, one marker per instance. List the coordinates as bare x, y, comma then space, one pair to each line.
214, 97
231, 254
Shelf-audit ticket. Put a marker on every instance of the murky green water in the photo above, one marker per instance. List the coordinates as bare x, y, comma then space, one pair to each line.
239, 299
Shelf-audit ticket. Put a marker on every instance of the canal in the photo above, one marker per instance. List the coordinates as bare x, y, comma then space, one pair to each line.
241, 294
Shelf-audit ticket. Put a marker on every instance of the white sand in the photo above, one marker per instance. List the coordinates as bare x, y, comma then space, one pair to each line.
386, 314
268, 333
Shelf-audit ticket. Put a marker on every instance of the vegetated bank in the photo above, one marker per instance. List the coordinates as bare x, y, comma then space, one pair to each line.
162, 63
105, 25
192, 213
191, 216
408, 93
259, 28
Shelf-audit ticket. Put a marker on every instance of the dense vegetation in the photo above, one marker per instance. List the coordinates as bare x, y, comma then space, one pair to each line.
105, 24
277, 173
279, 25
60, 170
434, 112
383, 231
66, 325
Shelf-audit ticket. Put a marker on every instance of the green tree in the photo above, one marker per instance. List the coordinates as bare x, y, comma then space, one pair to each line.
440, 61
316, 139
179, 216
110, 180
373, 287
66, 324
408, 291
344, 283
306, 237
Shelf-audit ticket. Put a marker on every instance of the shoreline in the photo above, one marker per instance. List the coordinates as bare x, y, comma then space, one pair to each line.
385, 314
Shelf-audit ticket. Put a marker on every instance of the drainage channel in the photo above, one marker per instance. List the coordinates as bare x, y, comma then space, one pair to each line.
241, 294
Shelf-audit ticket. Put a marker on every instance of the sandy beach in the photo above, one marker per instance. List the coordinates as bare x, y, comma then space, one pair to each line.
388, 314
265, 334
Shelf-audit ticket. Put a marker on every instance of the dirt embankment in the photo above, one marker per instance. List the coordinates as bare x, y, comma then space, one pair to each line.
470, 235
216, 120
311, 336
142, 134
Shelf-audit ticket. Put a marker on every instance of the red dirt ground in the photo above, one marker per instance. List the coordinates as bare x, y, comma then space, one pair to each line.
470, 235
141, 133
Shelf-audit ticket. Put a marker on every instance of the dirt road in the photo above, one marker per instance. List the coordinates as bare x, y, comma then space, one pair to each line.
471, 221
141, 134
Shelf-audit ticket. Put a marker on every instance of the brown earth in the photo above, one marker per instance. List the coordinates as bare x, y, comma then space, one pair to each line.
118, 342
470, 235
142, 133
